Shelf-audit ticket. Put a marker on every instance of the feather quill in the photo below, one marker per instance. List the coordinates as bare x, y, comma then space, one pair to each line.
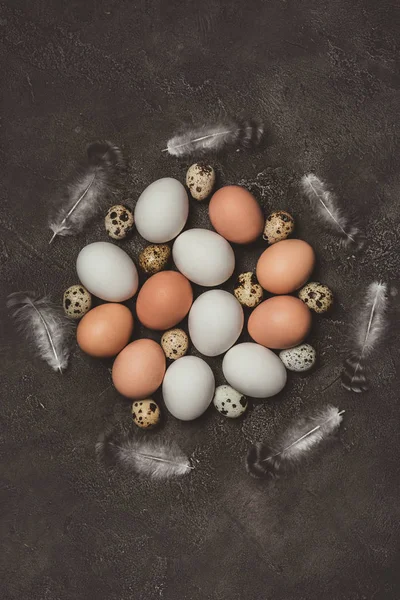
215, 138
294, 445
328, 211
369, 331
44, 325
94, 184
156, 458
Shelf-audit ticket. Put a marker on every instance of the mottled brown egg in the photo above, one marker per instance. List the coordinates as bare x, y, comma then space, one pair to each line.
146, 413
119, 222
317, 296
278, 226
247, 290
175, 343
200, 179
77, 301
154, 258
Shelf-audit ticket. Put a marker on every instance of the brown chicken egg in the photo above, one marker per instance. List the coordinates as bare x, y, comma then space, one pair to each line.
164, 300
236, 215
139, 369
105, 330
285, 266
280, 322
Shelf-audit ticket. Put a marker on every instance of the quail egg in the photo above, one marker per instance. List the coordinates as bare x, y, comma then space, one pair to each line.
200, 179
119, 222
317, 296
77, 301
247, 290
300, 358
146, 413
175, 343
154, 258
278, 226
229, 402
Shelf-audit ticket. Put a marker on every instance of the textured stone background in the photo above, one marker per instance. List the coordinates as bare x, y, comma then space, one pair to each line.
323, 77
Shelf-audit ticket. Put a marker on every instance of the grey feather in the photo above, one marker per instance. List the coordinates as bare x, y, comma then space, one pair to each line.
369, 331
154, 457
44, 325
328, 210
215, 138
92, 186
294, 445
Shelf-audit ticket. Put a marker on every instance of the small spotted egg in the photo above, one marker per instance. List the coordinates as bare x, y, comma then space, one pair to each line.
300, 358
229, 402
247, 290
200, 179
278, 226
175, 343
154, 258
317, 296
146, 413
119, 222
77, 301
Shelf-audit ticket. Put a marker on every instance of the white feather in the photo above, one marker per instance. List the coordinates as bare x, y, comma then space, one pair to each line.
328, 210
44, 325
369, 330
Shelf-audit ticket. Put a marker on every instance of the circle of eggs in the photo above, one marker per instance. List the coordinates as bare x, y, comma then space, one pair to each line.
298, 359
118, 222
107, 272
200, 179
175, 343
146, 413
215, 322
162, 210
154, 258
317, 296
204, 257
188, 387
254, 370
77, 301
229, 402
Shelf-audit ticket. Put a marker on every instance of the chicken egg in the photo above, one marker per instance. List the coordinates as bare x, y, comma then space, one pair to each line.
285, 266
139, 369
236, 215
105, 330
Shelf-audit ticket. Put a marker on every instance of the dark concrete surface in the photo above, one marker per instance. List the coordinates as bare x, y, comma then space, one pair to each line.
323, 77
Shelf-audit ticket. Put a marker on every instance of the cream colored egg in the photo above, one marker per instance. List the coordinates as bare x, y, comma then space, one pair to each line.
247, 290
146, 413
154, 258
119, 222
175, 343
317, 296
77, 301
200, 179
278, 226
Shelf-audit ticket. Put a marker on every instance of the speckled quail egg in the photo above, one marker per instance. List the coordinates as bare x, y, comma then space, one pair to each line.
278, 226
146, 413
119, 222
247, 290
77, 301
229, 402
175, 343
317, 296
200, 179
300, 358
154, 258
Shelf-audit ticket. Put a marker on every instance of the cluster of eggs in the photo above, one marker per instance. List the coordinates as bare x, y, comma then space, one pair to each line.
215, 317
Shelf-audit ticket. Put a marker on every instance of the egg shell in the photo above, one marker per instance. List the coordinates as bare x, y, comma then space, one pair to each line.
280, 322
164, 300
215, 322
236, 215
204, 257
139, 369
278, 226
188, 388
119, 222
254, 370
299, 359
175, 343
154, 258
162, 210
285, 266
76, 301
105, 330
146, 413
229, 402
107, 272
247, 290
200, 179
317, 296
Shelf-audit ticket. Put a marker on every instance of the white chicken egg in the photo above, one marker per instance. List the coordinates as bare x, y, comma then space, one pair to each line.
107, 272
204, 257
254, 370
162, 210
215, 322
188, 388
